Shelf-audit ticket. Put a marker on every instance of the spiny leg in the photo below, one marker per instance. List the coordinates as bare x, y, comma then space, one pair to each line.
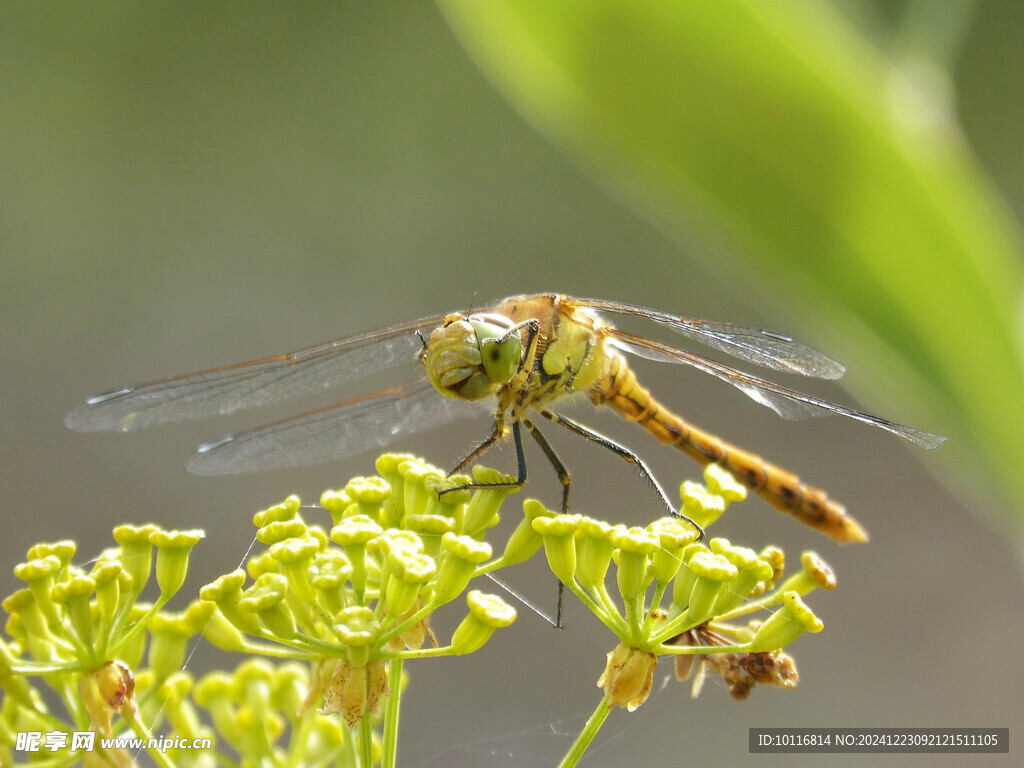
622, 452
533, 325
476, 453
564, 479
529, 351
560, 470
520, 480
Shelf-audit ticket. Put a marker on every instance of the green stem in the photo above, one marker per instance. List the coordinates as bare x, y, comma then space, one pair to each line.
365, 743
139, 625
351, 758
300, 647
659, 592
762, 603
391, 713
300, 735
47, 668
572, 757
72, 696
673, 627
342, 756
421, 653
158, 756
618, 625
663, 650
613, 620
398, 629
634, 610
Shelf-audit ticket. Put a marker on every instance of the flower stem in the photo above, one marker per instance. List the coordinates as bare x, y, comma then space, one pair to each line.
139, 625
572, 757
144, 733
365, 743
391, 712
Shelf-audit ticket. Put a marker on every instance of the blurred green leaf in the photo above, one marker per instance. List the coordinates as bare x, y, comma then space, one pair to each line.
839, 179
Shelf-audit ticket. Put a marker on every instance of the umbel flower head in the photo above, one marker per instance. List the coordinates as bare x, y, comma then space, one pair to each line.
357, 597
255, 707
83, 633
70, 620
355, 600
676, 594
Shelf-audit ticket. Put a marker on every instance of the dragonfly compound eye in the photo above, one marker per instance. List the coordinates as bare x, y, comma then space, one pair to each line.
500, 353
465, 359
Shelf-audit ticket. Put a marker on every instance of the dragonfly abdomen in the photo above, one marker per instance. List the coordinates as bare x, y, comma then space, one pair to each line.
621, 391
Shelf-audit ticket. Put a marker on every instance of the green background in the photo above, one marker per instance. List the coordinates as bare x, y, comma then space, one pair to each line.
188, 185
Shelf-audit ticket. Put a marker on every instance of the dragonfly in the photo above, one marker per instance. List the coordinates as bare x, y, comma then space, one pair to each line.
525, 355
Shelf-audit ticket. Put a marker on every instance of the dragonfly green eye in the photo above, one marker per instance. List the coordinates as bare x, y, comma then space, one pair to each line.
470, 358
500, 356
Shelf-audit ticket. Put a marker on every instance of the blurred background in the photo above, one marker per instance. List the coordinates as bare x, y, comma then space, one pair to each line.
189, 185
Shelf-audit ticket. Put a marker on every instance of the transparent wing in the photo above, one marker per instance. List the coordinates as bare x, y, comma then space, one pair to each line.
769, 349
786, 402
249, 385
335, 432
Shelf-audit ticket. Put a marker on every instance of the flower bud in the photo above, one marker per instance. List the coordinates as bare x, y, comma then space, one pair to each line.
525, 541
136, 552
673, 535
335, 502
409, 572
482, 511
699, 504
358, 628
389, 466
226, 592
785, 625
172, 549
712, 572
293, 557
558, 534
635, 546
486, 613
722, 483
751, 569
168, 644
75, 594
266, 599
368, 493
286, 510
462, 555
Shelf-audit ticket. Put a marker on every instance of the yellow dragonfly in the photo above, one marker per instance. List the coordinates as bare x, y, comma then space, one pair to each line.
524, 355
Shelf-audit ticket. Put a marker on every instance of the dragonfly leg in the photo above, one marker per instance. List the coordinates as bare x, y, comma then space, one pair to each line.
560, 470
532, 324
564, 479
477, 452
530, 354
520, 479
622, 452
517, 436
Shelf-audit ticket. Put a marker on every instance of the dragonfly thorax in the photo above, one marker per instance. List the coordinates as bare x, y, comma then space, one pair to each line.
469, 358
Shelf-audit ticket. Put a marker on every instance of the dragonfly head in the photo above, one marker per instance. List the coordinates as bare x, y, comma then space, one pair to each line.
469, 358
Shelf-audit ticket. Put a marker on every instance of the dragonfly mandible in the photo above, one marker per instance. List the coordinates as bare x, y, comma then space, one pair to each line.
524, 355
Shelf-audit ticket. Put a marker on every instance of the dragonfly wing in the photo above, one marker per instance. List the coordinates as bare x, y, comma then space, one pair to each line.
784, 406
253, 384
769, 349
786, 402
335, 432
